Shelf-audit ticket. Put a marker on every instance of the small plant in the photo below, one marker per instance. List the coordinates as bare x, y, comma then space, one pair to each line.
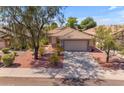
41, 51
59, 49
122, 52
44, 41
0, 58
14, 53
5, 50
54, 59
7, 59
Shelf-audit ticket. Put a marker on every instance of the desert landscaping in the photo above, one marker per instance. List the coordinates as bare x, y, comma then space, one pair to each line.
34, 46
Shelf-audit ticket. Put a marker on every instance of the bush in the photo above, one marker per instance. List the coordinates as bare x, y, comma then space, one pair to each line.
122, 52
41, 51
7, 59
14, 53
0, 58
5, 50
44, 41
54, 59
59, 49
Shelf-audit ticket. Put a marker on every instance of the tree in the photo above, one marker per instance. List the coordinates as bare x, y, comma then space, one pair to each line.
33, 18
53, 25
109, 44
71, 22
88, 23
18, 41
100, 34
107, 41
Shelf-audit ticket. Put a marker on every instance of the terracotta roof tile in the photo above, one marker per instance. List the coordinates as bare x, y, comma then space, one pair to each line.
69, 33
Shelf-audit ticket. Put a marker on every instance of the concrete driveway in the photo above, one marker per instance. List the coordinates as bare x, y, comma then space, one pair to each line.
81, 65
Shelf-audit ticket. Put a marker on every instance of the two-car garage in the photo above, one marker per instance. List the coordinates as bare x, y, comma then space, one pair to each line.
71, 39
75, 45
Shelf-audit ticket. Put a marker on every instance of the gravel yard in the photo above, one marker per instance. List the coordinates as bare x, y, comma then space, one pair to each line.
76, 65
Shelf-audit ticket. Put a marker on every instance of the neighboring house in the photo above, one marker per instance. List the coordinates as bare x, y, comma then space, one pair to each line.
71, 39
4, 39
91, 31
2, 43
119, 35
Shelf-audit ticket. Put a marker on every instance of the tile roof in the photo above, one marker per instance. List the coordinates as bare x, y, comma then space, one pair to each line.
91, 31
69, 33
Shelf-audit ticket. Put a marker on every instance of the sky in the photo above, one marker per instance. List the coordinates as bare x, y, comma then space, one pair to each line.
103, 15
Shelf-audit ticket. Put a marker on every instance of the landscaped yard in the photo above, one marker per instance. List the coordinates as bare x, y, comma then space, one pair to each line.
72, 64
115, 62
25, 59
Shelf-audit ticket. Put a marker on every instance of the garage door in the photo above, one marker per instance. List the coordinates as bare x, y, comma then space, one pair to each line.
75, 45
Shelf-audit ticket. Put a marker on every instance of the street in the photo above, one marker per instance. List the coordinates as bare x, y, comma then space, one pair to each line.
20, 81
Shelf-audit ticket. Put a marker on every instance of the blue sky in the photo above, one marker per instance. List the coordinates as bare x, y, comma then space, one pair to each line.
103, 15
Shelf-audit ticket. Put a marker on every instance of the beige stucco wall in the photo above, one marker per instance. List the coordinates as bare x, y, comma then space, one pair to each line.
2, 44
53, 40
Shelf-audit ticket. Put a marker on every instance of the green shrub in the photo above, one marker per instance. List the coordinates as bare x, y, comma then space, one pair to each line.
122, 52
59, 49
7, 59
5, 50
54, 59
14, 53
41, 51
0, 58
13, 56
44, 41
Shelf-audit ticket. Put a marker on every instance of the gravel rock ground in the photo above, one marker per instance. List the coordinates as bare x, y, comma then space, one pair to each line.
76, 65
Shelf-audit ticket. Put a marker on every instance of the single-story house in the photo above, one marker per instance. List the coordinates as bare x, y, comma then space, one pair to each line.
4, 39
71, 39
91, 31
117, 33
2, 43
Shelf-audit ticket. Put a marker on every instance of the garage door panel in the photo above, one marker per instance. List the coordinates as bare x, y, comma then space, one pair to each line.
72, 45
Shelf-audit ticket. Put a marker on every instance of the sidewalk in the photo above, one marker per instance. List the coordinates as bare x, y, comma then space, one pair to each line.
28, 72
24, 72
114, 75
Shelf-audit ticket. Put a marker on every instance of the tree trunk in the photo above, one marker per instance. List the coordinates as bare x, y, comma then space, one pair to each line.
107, 58
36, 52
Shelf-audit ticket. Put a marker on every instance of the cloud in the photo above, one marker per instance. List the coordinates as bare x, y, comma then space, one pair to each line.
112, 7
